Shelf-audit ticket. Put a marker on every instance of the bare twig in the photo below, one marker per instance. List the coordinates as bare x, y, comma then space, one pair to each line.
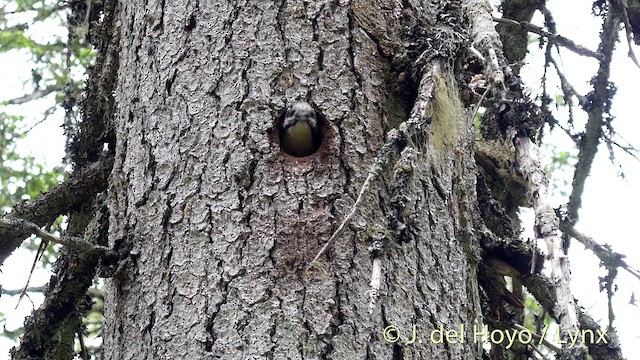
394, 137
41, 249
383, 157
628, 149
45, 115
566, 86
68, 241
555, 38
608, 257
568, 91
38, 94
13, 292
627, 30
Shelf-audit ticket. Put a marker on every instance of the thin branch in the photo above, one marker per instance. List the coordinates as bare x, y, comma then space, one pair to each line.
383, 157
555, 38
394, 138
82, 185
566, 86
41, 249
61, 303
38, 94
72, 242
627, 30
45, 116
596, 107
75, 243
628, 149
14, 292
608, 257
575, 138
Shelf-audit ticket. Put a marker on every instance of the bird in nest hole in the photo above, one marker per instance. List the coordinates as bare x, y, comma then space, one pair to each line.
299, 134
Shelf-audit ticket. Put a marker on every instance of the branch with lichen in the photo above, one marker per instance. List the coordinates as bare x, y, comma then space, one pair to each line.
598, 103
487, 41
71, 242
80, 188
66, 291
543, 289
485, 38
546, 228
402, 172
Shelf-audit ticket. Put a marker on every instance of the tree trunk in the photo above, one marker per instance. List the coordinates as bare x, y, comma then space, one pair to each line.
220, 224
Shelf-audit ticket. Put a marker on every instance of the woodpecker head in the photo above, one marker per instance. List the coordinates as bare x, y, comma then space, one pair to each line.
299, 135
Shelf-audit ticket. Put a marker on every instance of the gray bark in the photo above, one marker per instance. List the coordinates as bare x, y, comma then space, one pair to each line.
220, 224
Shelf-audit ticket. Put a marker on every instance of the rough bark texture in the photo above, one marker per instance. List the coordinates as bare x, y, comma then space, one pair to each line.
220, 224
